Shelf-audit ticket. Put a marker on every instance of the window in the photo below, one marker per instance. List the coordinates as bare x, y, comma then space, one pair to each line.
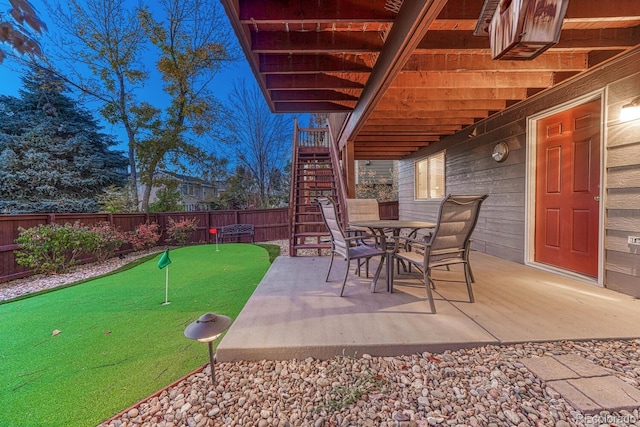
429, 175
188, 189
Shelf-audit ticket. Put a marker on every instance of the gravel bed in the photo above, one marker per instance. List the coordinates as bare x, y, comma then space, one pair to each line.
484, 386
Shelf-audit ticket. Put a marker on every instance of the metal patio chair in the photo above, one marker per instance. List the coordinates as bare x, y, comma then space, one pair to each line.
449, 244
362, 210
348, 247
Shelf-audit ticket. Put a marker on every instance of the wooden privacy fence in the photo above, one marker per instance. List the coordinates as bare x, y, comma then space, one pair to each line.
388, 210
269, 224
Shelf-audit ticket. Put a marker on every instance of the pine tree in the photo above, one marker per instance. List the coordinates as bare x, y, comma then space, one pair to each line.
53, 157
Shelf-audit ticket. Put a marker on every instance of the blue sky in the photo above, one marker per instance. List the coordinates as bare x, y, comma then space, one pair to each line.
10, 81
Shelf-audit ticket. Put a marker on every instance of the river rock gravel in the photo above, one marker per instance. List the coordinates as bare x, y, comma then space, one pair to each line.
485, 386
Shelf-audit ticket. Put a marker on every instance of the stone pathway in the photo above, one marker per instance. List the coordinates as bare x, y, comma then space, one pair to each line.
588, 387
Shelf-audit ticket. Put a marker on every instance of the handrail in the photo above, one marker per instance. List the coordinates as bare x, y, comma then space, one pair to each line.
342, 189
292, 186
313, 137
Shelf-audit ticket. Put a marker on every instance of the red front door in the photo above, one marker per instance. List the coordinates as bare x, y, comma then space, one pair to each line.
568, 189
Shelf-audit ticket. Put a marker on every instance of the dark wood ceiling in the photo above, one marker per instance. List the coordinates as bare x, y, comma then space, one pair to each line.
414, 74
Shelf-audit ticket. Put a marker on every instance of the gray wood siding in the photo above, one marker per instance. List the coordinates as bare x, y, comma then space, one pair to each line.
382, 170
501, 227
622, 197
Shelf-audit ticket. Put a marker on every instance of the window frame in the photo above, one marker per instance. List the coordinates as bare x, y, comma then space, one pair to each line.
426, 160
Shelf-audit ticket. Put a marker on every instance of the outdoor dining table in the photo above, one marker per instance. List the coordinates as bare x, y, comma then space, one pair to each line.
379, 227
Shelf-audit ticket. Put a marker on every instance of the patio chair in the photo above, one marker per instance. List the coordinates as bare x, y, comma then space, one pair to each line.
449, 244
362, 210
348, 247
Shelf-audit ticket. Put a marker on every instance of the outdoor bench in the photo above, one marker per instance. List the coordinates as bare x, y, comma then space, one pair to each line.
236, 231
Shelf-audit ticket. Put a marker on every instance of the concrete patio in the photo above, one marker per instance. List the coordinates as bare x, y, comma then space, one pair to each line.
294, 313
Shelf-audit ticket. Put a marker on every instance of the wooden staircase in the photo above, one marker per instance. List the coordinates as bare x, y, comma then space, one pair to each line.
313, 175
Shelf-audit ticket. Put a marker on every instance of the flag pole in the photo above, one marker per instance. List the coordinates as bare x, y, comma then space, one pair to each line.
166, 291
164, 263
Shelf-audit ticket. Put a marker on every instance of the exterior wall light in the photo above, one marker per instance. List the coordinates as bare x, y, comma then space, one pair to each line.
630, 111
207, 329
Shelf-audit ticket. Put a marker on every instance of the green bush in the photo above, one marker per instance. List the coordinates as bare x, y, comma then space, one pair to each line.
107, 239
52, 248
179, 232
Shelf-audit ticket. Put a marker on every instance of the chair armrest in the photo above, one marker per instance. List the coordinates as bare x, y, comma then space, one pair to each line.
362, 236
408, 243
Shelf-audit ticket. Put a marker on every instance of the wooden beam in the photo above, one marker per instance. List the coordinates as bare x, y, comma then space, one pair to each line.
244, 38
310, 96
587, 39
599, 9
310, 107
305, 81
315, 63
349, 168
408, 129
472, 61
606, 39
460, 10
379, 154
368, 156
277, 11
396, 147
582, 9
315, 41
437, 94
408, 30
445, 114
438, 105
399, 138
483, 79
428, 121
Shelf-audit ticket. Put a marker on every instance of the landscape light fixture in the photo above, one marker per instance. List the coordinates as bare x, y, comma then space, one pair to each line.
630, 111
207, 329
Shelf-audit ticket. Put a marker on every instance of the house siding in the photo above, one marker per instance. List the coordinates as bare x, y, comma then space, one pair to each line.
501, 226
382, 170
622, 165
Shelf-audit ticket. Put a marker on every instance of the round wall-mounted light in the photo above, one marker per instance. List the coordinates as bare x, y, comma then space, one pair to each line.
500, 152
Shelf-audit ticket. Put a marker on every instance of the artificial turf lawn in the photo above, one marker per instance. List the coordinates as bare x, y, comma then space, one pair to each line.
117, 342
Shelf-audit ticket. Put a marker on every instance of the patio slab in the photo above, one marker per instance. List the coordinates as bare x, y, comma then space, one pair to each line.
294, 313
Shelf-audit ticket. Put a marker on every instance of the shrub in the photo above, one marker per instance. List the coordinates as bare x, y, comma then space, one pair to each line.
52, 248
106, 240
179, 232
382, 189
145, 236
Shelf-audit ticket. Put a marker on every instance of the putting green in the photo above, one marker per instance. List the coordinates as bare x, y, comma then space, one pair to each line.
117, 342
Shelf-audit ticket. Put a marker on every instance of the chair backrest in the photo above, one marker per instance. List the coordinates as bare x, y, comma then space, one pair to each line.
457, 219
330, 215
363, 210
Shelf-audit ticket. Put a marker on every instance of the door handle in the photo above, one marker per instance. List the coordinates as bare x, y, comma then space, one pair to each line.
596, 198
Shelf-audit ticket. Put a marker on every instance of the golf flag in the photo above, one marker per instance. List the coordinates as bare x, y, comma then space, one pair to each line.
164, 260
